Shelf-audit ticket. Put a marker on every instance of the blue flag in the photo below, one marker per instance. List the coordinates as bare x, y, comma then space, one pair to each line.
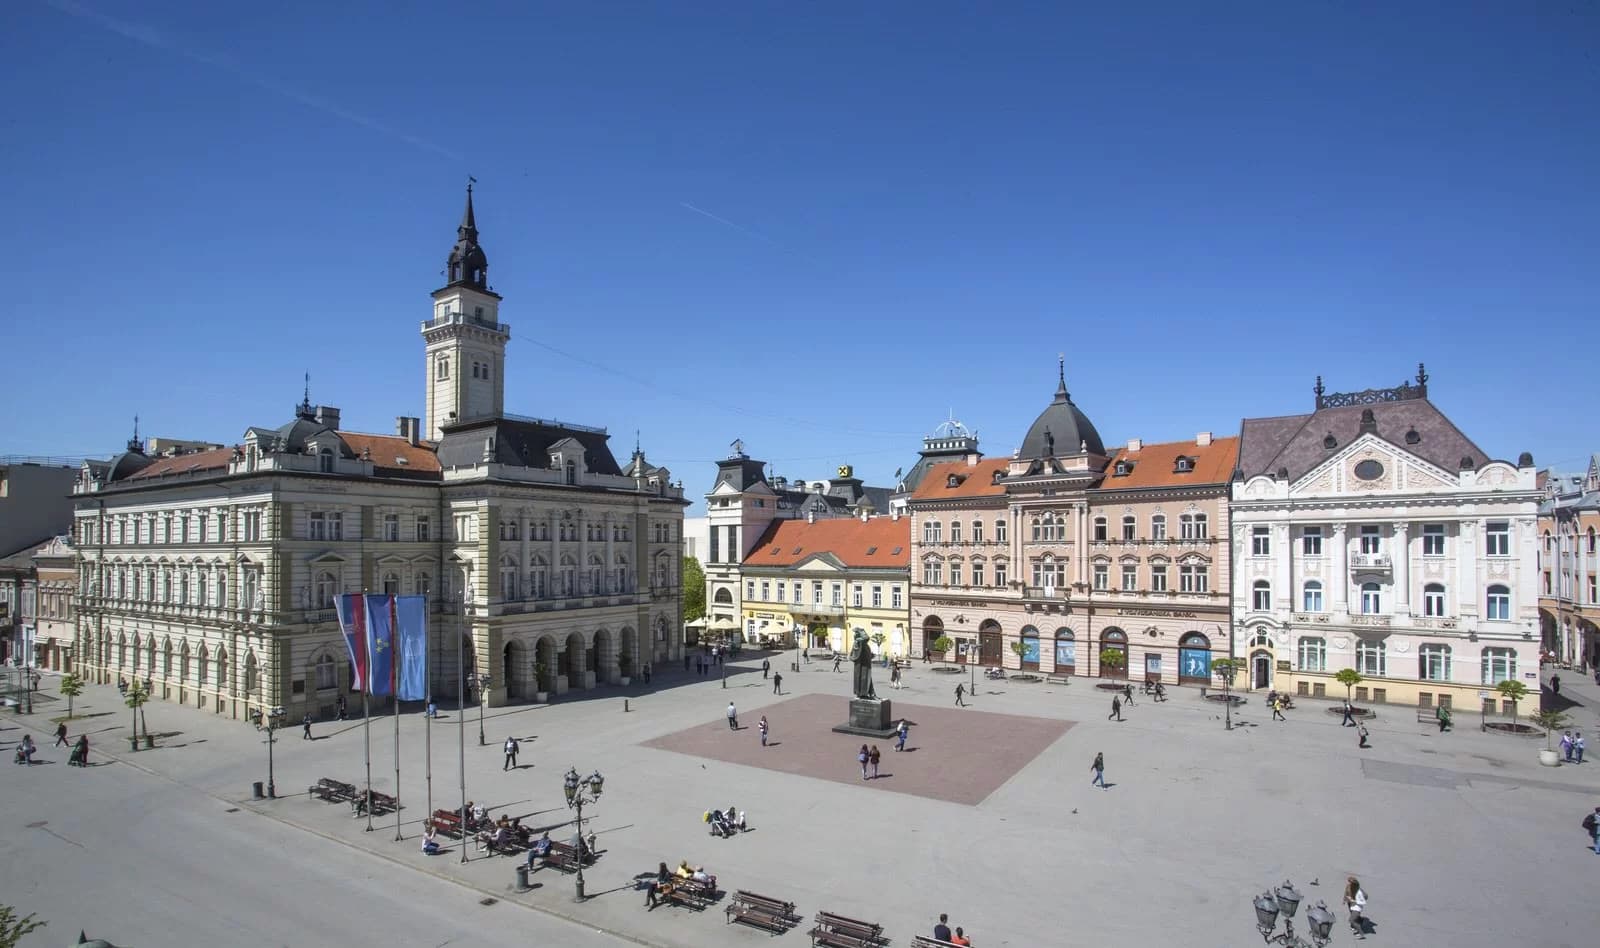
412, 635
380, 635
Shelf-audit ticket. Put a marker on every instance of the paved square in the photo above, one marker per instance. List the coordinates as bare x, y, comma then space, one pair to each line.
953, 754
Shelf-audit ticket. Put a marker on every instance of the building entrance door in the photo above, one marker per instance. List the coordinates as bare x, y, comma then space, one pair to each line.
989, 644
1261, 670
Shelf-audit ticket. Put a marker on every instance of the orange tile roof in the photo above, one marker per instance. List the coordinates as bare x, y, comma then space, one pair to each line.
1153, 464
880, 542
214, 459
976, 480
389, 450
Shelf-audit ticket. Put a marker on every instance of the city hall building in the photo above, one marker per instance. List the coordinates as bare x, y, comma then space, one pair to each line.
211, 571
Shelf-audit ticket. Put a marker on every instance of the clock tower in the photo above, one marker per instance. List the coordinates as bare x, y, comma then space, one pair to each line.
465, 342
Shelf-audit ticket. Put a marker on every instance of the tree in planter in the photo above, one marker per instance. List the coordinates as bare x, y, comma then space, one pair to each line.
694, 589
71, 686
137, 696
942, 645
1552, 721
1113, 658
1348, 677
1513, 691
13, 928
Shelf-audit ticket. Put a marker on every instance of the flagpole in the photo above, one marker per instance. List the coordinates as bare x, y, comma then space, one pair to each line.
461, 720
366, 733
427, 731
394, 692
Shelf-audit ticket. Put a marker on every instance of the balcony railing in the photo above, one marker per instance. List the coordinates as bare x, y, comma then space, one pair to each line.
1045, 592
820, 609
1370, 563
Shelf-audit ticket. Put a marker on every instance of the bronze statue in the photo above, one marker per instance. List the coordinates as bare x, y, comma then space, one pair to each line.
861, 656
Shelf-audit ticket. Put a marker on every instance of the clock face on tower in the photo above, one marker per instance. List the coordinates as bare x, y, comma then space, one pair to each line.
846, 470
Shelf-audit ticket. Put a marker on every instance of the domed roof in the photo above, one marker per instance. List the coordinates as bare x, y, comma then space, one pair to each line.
1061, 428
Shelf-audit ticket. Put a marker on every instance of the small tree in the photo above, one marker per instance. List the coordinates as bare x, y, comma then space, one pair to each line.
1020, 650
1552, 721
71, 686
1513, 691
694, 589
878, 638
137, 696
1348, 677
1113, 658
943, 644
13, 928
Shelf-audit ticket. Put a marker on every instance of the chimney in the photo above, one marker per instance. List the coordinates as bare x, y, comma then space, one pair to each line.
408, 428
1134, 444
328, 415
894, 514
972, 460
1203, 439
811, 516
863, 515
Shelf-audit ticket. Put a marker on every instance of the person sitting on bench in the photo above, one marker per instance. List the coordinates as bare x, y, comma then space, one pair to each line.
520, 832
539, 850
683, 871
699, 875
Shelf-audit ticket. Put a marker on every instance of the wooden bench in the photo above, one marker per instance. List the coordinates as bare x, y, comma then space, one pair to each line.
1058, 679
381, 803
760, 911
839, 931
447, 822
928, 941
564, 857
330, 790
512, 846
688, 893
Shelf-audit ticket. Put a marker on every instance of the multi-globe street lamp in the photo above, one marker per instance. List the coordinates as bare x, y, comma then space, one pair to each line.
271, 720
581, 790
1285, 899
482, 682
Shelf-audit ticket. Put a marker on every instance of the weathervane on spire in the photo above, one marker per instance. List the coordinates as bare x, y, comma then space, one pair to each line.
133, 443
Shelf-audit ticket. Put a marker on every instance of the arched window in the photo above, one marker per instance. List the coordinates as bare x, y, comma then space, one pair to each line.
1499, 603
1261, 596
1158, 527
1030, 648
1113, 653
932, 530
1591, 539
1066, 651
1433, 663
1311, 597
508, 578
1372, 658
1194, 657
391, 583
596, 573
1499, 664
1100, 529
1433, 600
1371, 599
1130, 527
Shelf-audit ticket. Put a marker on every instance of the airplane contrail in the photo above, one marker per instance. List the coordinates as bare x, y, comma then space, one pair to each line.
725, 222
155, 39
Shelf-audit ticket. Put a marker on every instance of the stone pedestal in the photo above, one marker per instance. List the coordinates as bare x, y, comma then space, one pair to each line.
869, 717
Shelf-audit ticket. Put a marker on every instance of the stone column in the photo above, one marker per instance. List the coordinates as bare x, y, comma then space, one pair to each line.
525, 563
1340, 580
609, 526
1402, 569
583, 552
1283, 579
1466, 591
555, 554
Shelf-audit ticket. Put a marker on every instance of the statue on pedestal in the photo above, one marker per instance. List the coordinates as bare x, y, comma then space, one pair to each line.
861, 657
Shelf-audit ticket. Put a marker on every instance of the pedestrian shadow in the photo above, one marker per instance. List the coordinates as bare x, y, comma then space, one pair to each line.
523, 767
881, 776
907, 750
773, 744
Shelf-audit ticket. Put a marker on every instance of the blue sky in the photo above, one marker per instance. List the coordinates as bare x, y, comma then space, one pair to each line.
816, 227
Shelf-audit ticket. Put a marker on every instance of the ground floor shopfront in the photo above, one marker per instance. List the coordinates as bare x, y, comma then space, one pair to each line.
827, 628
1112, 641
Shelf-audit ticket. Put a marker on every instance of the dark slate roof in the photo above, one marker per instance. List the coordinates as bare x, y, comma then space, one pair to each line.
127, 464
878, 497
740, 472
522, 443
1295, 442
1068, 427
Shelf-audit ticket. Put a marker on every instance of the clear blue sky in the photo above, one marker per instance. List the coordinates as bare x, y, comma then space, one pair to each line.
816, 227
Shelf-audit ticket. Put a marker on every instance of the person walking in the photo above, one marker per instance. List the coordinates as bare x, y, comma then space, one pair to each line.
1443, 714
1577, 747
1116, 708
80, 751
1127, 694
1349, 719
1355, 900
1361, 736
763, 727
511, 754
1099, 768
686, 662
874, 758
765, 667
305, 734
863, 757
61, 734
901, 733
777, 683
1555, 686
961, 689
1566, 746
1592, 824
340, 706
733, 717
894, 676
1277, 710
837, 660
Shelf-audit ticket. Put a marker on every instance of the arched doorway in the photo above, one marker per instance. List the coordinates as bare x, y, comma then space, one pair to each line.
1194, 659
1113, 653
991, 643
604, 658
627, 653
575, 662
932, 629
1066, 652
1260, 669
1030, 648
516, 670
545, 667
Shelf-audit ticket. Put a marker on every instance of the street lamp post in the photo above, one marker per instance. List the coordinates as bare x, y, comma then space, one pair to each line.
273, 718
797, 630
483, 698
1286, 900
581, 790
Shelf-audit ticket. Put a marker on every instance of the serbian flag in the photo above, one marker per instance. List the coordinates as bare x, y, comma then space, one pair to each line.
352, 611
380, 643
411, 633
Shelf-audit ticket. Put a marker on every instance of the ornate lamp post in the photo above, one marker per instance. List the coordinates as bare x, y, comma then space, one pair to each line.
798, 628
1286, 900
482, 682
581, 790
273, 720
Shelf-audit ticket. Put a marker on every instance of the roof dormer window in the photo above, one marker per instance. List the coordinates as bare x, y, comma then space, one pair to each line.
1184, 465
1124, 468
952, 481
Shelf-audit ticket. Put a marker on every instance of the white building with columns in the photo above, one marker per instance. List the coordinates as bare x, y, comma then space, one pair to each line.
1373, 534
550, 567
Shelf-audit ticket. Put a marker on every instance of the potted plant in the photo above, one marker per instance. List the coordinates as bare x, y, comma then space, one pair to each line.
541, 687
1552, 721
942, 645
1513, 691
71, 686
1114, 659
625, 669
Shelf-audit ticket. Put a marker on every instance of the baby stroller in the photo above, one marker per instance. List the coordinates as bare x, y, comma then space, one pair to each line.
75, 759
22, 756
721, 825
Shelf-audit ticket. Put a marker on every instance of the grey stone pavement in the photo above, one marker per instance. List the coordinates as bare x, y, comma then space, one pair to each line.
1460, 839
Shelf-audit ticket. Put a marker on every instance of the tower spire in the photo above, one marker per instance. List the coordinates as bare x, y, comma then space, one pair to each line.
304, 409
1061, 378
134, 444
467, 264
469, 223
